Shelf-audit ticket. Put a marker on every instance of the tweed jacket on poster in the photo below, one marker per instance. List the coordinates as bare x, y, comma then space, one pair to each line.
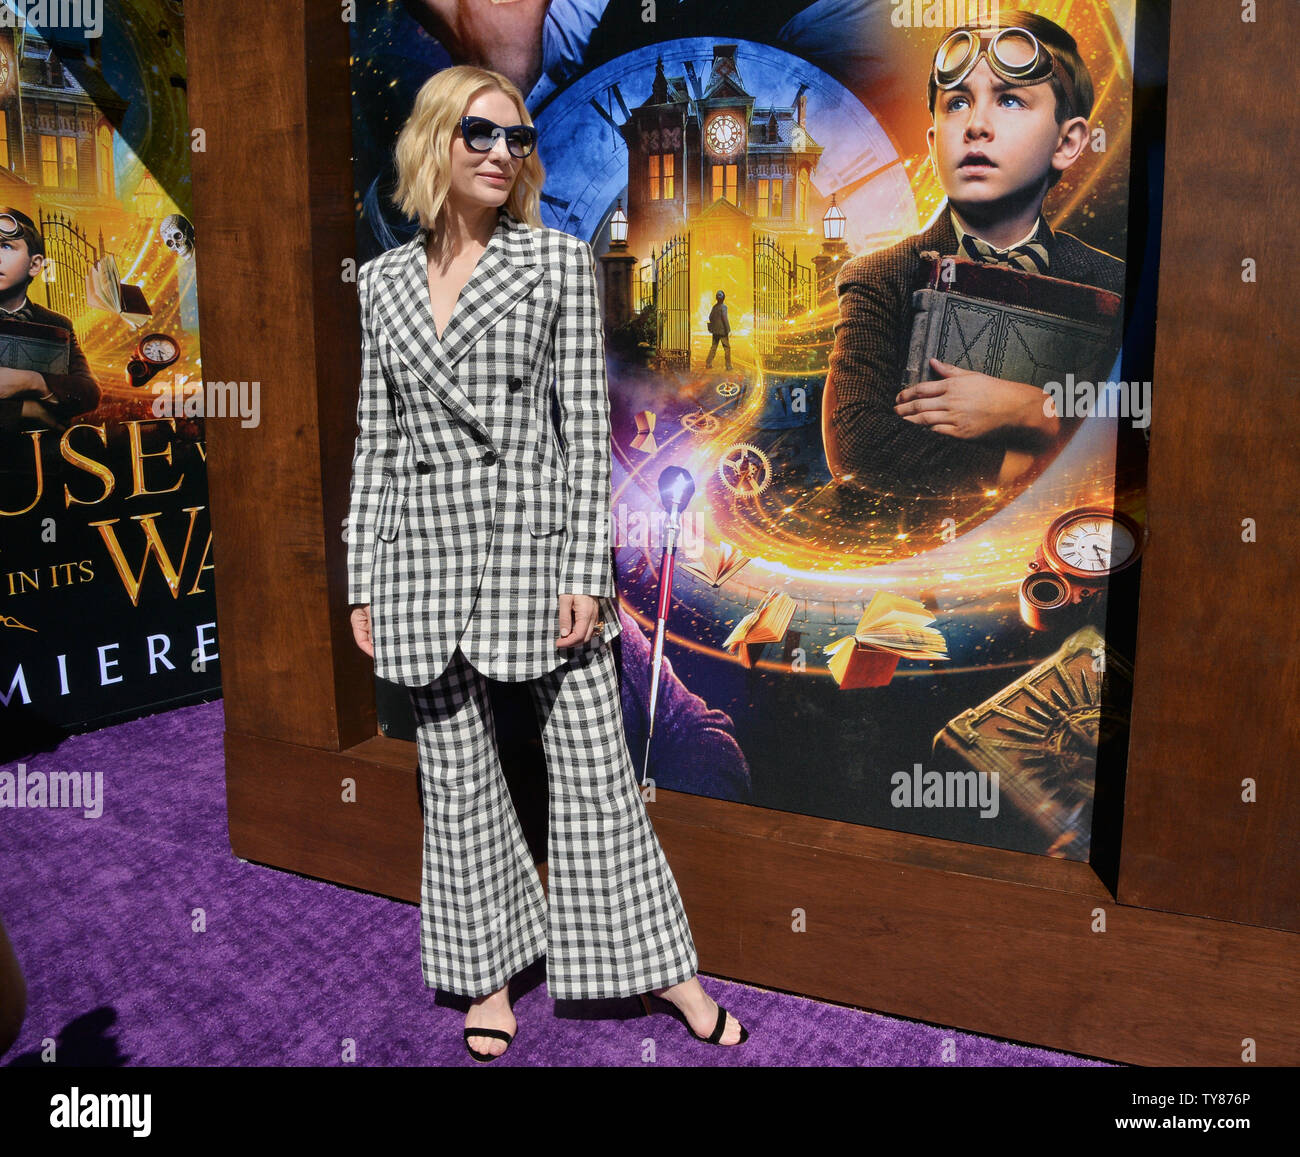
467, 521
860, 431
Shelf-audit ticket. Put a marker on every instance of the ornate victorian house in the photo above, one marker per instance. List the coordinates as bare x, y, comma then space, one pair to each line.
709, 151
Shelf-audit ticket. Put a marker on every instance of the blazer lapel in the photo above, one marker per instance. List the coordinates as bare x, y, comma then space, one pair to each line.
507, 270
941, 235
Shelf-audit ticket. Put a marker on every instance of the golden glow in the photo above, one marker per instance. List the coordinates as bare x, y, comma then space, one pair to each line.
143, 260
797, 536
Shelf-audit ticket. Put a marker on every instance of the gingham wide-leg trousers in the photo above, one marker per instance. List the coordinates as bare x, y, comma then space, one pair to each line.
614, 924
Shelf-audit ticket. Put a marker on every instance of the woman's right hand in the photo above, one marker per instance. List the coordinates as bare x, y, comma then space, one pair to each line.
361, 629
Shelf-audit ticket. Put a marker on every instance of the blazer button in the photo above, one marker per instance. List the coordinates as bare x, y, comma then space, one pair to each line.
516, 384
422, 467
490, 458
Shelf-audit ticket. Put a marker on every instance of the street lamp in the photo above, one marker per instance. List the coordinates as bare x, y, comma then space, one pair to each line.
618, 227
833, 222
619, 266
834, 251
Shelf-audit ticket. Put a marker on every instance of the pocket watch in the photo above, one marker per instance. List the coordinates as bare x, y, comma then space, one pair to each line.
1080, 552
155, 352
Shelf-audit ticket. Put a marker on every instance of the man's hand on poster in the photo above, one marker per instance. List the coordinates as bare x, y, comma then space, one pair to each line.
21, 383
504, 35
965, 404
29, 385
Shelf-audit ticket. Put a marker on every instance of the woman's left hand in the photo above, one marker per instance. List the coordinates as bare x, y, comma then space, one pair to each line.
578, 614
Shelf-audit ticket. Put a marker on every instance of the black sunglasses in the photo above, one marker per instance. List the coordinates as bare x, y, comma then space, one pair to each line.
482, 134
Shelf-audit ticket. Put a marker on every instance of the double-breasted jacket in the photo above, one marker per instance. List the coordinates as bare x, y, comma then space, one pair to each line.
468, 515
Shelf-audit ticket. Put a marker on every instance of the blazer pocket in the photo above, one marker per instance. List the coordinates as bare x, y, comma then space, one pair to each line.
544, 507
392, 506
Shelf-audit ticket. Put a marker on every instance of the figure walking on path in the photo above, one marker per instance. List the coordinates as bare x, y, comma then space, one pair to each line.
720, 328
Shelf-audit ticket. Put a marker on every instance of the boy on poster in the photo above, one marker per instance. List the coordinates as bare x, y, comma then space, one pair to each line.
50, 398
1010, 104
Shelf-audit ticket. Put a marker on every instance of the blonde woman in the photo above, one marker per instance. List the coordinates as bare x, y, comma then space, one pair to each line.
478, 548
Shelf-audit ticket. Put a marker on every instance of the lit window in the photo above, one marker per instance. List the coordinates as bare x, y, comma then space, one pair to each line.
724, 183
104, 161
68, 159
661, 176
49, 160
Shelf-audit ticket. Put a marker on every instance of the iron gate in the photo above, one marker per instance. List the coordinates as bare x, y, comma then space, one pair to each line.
665, 284
72, 255
782, 289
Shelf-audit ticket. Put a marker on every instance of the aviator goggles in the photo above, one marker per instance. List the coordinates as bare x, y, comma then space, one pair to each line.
9, 226
1014, 54
481, 135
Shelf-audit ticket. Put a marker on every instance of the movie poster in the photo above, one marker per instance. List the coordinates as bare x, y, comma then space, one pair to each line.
107, 605
879, 409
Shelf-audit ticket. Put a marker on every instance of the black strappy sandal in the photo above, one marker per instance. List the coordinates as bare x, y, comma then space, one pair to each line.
498, 1033
714, 1038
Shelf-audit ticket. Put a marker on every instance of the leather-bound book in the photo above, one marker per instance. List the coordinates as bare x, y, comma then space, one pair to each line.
1021, 327
28, 345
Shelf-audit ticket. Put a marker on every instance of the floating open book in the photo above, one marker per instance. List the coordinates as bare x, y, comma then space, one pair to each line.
764, 625
717, 563
106, 290
891, 628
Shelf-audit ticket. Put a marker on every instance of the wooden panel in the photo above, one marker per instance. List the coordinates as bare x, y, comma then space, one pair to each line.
274, 221
978, 938
994, 942
1218, 654
988, 955
286, 808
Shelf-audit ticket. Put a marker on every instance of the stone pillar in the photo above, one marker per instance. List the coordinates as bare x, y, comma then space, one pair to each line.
619, 265
828, 263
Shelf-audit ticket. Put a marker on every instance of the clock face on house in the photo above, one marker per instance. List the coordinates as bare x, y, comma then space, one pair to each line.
725, 135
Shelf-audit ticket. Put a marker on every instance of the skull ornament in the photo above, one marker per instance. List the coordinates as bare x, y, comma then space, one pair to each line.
178, 235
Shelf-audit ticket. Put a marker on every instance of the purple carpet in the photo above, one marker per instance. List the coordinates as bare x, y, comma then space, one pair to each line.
144, 941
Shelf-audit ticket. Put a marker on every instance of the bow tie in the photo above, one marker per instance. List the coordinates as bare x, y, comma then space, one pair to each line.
1031, 256
22, 313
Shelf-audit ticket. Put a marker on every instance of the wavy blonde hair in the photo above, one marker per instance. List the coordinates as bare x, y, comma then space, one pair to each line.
424, 146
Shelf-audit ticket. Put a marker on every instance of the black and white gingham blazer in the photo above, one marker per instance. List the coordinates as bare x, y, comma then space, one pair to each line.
461, 499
